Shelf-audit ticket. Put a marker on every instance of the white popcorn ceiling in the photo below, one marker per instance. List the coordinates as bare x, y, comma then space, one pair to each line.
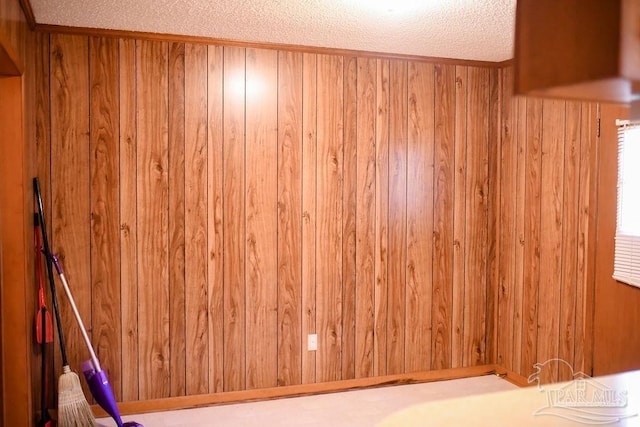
480, 30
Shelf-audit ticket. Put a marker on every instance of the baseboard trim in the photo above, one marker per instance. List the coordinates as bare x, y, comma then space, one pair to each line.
512, 377
185, 402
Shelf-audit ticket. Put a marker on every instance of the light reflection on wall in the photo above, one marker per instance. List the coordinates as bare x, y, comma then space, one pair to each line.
251, 87
393, 5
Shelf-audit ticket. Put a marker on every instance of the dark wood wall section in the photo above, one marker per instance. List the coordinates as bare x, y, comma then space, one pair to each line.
544, 240
18, 351
215, 205
616, 341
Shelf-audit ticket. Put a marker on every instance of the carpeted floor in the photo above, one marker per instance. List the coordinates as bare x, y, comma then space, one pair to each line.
358, 408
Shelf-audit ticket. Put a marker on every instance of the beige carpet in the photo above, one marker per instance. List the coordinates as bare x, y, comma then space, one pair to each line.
358, 408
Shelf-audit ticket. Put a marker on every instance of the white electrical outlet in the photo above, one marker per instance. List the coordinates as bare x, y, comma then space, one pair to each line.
312, 342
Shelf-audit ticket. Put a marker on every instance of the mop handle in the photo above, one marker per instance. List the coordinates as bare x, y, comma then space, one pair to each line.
47, 253
67, 291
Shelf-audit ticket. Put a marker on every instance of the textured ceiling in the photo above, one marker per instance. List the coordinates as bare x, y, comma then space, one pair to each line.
462, 29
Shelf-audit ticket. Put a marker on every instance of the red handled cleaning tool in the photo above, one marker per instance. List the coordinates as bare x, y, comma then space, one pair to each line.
44, 328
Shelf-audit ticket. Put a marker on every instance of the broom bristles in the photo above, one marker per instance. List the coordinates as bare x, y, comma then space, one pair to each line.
73, 408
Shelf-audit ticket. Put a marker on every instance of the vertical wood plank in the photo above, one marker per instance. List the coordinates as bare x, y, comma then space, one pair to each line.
531, 262
419, 216
476, 193
43, 119
215, 231
570, 222
508, 235
518, 294
397, 216
349, 218
128, 220
459, 217
43, 146
551, 229
493, 212
71, 231
234, 219
104, 158
380, 133
443, 216
261, 261
309, 209
177, 311
289, 218
365, 208
329, 218
152, 207
586, 238
195, 219
381, 266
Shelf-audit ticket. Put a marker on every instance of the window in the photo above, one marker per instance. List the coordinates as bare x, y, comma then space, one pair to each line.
627, 252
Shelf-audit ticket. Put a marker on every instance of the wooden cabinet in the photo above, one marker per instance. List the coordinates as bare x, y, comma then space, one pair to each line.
578, 49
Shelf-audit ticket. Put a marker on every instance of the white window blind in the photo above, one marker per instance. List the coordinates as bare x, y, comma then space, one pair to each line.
627, 251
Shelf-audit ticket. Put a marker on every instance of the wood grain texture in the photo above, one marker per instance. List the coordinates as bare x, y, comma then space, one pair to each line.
586, 237
459, 218
420, 131
309, 210
43, 149
398, 152
128, 221
70, 234
349, 217
443, 187
215, 217
551, 228
177, 309
195, 219
590, 213
476, 193
570, 233
545, 288
521, 201
261, 272
532, 234
103, 165
507, 235
290, 135
494, 210
381, 259
264, 196
329, 217
43, 119
233, 203
366, 212
16, 31
152, 215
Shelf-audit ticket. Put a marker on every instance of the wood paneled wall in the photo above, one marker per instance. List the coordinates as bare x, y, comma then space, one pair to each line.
18, 352
545, 233
214, 205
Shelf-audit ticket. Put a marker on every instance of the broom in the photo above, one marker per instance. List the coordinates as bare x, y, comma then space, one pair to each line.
73, 408
93, 373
